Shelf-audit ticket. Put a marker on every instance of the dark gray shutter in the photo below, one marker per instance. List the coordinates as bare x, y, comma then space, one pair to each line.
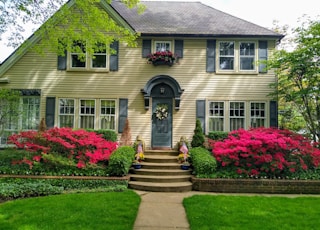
263, 55
62, 61
273, 114
123, 113
114, 58
178, 48
211, 56
50, 111
201, 113
146, 48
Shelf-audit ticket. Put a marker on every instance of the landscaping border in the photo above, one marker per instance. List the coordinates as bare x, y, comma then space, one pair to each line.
65, 177
256, 186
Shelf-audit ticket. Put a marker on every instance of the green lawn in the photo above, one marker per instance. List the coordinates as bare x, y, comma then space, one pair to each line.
206, 212
94, 211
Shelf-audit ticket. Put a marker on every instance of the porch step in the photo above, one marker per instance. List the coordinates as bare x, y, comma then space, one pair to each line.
161, 187
160, 172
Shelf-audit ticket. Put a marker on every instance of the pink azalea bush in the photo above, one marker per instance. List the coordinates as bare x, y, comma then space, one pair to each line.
266, 152
82, 146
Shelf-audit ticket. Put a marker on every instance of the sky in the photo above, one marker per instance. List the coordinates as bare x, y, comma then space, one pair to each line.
263, 13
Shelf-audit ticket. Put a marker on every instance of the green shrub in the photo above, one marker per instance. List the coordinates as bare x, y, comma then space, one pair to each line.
198, 136
204, 164
10, 191
109, 135
121, 160
218, 135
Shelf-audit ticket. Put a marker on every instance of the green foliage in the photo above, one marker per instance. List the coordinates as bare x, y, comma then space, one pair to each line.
121, 161
109, 135
84, 21
198, 136
218, 135
10, 191
204, 164
298, 75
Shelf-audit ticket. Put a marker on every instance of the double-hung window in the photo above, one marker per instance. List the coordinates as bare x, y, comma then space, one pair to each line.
257, 114
237, 115
87, 113
247, 56
30, 113
99, 58
226, 55
78, 55
216, 116
66, 112
107, 114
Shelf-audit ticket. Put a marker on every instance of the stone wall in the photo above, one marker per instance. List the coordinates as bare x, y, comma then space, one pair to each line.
257, 186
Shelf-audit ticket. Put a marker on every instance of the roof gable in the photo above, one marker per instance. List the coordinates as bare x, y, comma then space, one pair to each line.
188, 18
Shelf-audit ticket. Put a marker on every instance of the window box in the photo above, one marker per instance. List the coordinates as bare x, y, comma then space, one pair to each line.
161, 58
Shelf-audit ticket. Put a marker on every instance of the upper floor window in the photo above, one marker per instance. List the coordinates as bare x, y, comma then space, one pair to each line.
247, 56
162, 46
81, 60
226, 51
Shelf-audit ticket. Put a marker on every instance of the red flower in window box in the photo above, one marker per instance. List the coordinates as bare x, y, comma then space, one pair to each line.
162, 58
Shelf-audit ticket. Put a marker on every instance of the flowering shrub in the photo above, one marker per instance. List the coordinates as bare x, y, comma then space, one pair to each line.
266, 152
82, 146
161, 56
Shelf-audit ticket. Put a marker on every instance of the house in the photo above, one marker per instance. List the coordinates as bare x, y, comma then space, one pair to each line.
209, 71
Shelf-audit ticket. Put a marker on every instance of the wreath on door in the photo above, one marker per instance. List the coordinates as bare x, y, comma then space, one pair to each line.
161, 111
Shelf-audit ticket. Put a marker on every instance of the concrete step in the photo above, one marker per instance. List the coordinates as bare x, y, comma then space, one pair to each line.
160, 172
151, 165
161, 187
161, 152
161, 158
160, 179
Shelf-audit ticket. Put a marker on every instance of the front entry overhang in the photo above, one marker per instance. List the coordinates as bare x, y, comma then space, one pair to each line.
162, 79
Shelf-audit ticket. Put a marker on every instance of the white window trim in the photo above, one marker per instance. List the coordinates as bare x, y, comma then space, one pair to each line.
266, 112
74, 114
244, 117
115, 114
234, 56
255, 67
162, 41
91, 115
224, 114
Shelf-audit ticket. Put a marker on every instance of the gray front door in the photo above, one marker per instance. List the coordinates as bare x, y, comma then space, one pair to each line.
161, 122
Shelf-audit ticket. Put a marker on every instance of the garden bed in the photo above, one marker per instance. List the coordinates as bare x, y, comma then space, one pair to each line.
124, 178
270, 186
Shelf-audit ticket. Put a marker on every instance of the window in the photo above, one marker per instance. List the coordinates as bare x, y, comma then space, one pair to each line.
216, 116
78, 56
226, 60
87, 114
237, 115
162, 46
28, 117
258, 114
30, 113
247, 56
107, 114
66, 112
99, 59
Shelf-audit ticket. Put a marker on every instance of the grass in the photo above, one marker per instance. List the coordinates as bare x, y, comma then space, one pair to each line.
111, 210
206, 212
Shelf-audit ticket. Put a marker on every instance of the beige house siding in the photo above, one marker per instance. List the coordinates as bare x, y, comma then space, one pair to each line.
33, 71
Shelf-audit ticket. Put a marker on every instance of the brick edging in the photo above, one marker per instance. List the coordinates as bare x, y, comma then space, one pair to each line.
256, 186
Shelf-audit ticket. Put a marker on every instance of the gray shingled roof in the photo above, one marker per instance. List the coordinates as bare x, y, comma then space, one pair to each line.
188, 18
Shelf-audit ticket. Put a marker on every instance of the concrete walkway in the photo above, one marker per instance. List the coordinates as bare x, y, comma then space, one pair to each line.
164, 211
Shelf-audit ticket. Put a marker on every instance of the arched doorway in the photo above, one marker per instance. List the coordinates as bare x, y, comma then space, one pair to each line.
165, 93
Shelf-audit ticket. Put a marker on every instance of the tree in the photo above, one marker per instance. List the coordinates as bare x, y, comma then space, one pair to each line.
85, 21
198, 136
299, 76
